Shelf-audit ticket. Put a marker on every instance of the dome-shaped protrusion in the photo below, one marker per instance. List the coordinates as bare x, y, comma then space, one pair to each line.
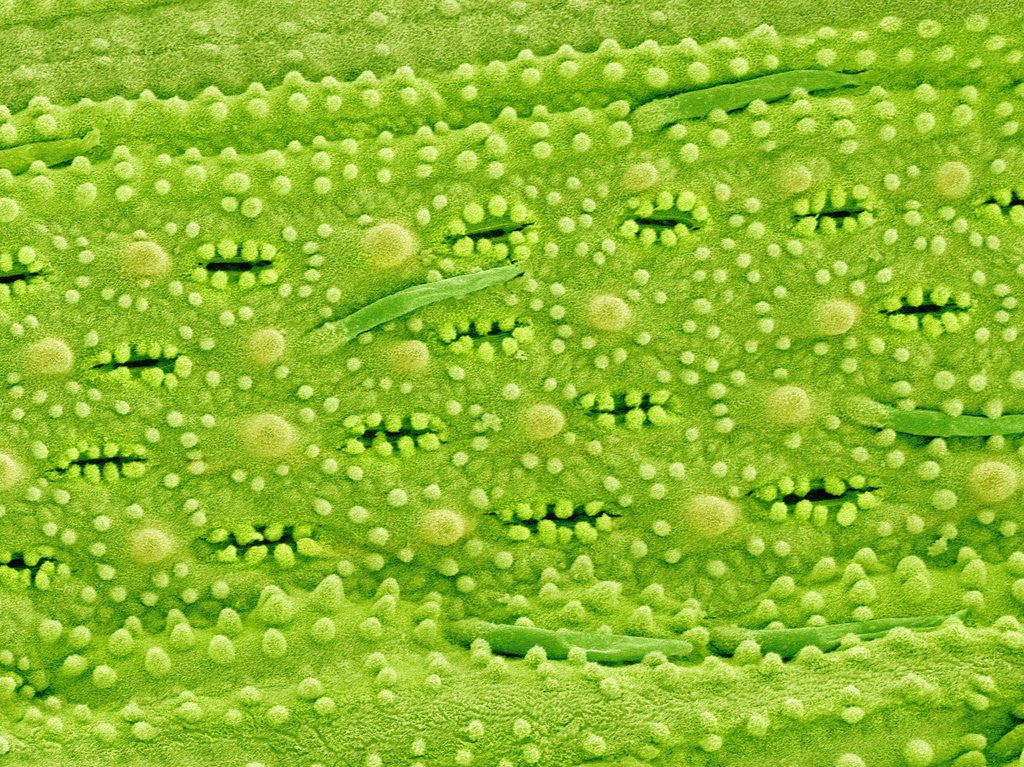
265, 346
638, 177
543, 421
952, 179
993, 481
608, 313
788, 405
11, 472
49, 357
149, 546
442, 527
267, 435
144, 259
709, 516
388, 245
795, 179
833, 317
409, 357
275, 607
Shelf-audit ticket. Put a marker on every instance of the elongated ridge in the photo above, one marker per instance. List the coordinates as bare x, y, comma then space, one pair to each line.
934, 423
509, 639
789, 641
390, 307
18, 159
731, 96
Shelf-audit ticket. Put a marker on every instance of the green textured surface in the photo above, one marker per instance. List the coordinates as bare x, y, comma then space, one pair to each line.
508, 384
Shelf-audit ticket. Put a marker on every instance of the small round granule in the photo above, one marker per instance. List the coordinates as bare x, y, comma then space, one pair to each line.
788, 405
795, 179
834, 317
952, 179
918, 753
850, 760
49, 357
149, 546
608, 313
409, 357
944, 499
388, 245
144, 258
274, 644
267, 435
265, 346
104, 677
639, 177
9, 210
709, 516
221, 650
442, 527
993, 481
10, 471
543, 422
157, 662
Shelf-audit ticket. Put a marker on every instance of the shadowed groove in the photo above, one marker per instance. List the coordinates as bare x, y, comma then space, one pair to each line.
101, 463
633, 409
252, 544
491, 233
385, 434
